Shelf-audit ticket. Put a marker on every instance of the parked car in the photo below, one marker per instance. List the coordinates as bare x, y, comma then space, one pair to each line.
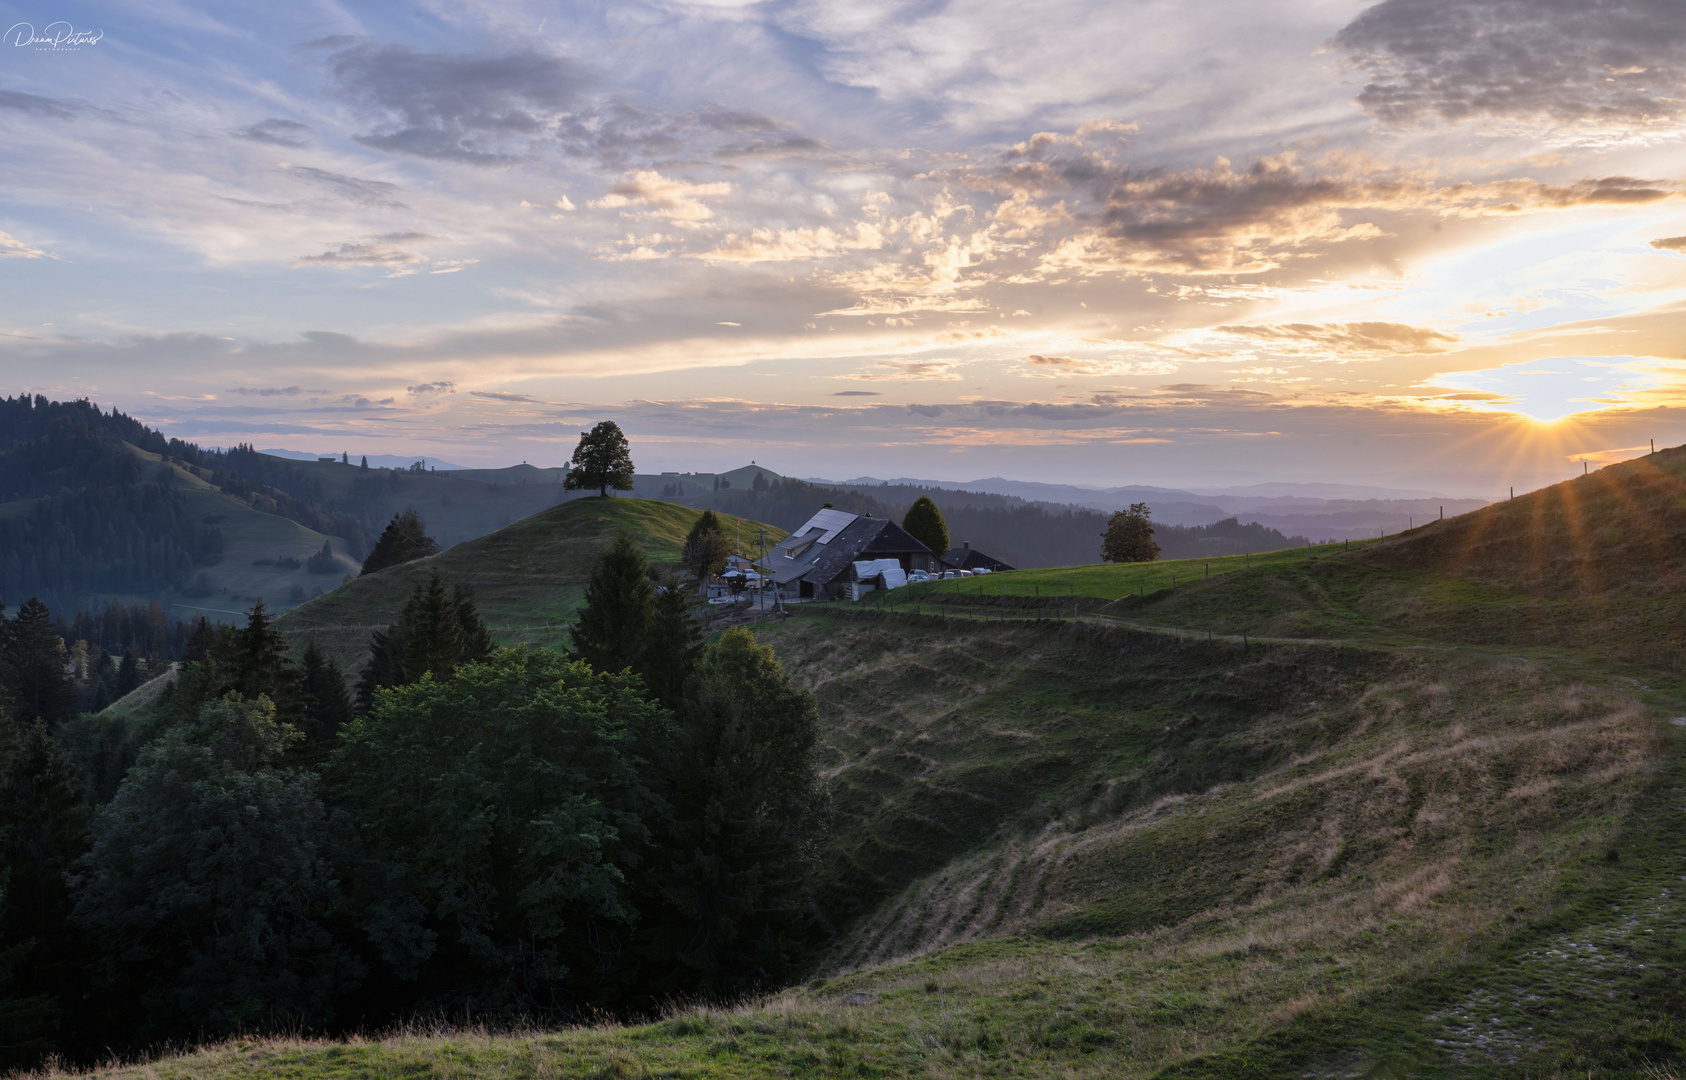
918, 575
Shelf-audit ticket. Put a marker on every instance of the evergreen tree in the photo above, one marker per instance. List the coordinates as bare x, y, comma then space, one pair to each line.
924, 522
610, 632
748, 810
673, 642
323, 561
365, 463
437, 630
1129, 536
327, 705
602, 460
128, 675
255, 664
404, 540
33, 671
43, 826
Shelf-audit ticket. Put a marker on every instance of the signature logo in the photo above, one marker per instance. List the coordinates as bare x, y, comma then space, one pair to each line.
53, 36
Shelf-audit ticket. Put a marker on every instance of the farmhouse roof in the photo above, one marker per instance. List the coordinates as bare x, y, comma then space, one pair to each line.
823, 549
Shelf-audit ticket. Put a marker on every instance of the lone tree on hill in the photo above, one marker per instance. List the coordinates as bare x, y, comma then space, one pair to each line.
404, 540
924, 522
602, 460
1129, 536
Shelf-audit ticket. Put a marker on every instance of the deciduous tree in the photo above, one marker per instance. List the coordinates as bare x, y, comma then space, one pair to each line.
1129, 536
500, 811
208, 880
924, 522
602, 460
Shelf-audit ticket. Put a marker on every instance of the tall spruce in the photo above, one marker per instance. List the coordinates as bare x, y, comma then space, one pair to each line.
438, 630
924, 522
673, 642
602, 460
749, 810
33, 673
43, 828
403, 540
255, 664
327, 705
612, 625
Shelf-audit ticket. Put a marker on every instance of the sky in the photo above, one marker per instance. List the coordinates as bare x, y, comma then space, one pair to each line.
1414, 243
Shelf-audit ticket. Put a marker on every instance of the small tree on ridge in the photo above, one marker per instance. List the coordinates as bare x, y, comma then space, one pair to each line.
602, 460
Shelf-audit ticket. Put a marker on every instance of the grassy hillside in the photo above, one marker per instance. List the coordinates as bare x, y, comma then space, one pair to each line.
1593, 563
253, 545
1446, 842
528, 578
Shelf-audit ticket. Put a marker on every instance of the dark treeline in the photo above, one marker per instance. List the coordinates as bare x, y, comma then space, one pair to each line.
496, 835
97, 520
1019, 533
92, 525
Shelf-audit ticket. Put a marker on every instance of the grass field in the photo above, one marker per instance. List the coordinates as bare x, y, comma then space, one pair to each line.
528, 578
1447, 840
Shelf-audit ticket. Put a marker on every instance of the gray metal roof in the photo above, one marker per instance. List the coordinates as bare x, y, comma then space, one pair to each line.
822, 551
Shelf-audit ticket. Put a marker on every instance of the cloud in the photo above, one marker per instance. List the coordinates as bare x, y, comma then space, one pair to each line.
931, 411
942, 369
1053, 367
857, 393
1228, 220
380, 250
252, 391
676, 200
1602, 62
43, 107
480, 109
276, 131
13, 248
499, 395
441, 386
783, 245
1347, 339
1670, 243
377, 193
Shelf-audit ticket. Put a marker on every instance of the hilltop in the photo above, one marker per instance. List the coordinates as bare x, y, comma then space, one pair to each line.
528, 577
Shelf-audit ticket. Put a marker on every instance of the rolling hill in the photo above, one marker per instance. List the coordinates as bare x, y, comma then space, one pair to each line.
1075, 837
528, 578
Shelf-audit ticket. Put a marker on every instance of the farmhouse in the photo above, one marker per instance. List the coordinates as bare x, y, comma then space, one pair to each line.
964, 558
817, 560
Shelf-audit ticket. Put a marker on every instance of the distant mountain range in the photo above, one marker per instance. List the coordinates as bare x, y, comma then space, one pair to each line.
1318, 511
376, 461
